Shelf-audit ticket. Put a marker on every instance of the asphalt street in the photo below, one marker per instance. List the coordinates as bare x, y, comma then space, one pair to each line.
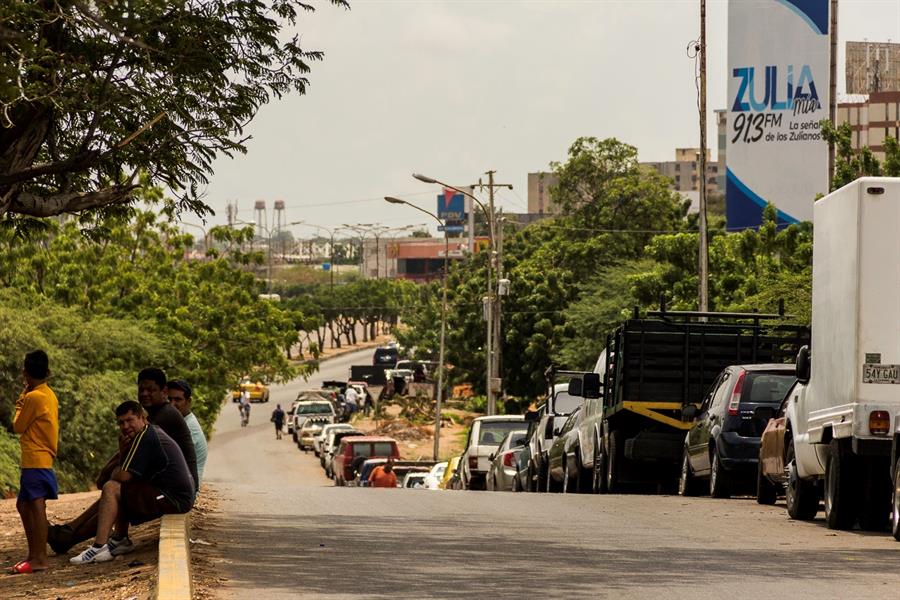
286, 532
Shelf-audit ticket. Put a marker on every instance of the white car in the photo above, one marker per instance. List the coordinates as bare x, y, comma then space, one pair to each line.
434, 477
320, 439
414, 480
484, 439
314, 408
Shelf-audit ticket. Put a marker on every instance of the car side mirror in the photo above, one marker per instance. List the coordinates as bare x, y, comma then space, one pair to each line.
689, 413
765, 413
803, 365
532, 416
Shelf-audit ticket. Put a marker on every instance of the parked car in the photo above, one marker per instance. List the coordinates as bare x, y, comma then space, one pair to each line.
433, 480
414, 480
329, 448
484, 439
501, 475
771, 475
523, 469
311, 428
259, 391
562, 461
355, 450
722, 447
305, 409
319, 440
449, 473
560, 404
386, 356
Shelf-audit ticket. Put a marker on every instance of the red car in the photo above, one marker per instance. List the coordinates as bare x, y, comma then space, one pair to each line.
354, 451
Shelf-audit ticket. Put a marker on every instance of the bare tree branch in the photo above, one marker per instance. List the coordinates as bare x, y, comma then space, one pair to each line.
48, 206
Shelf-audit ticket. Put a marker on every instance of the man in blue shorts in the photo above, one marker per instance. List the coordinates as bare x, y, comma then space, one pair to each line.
37, 423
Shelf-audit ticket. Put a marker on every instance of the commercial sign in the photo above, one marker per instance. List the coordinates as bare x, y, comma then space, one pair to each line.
778, 57
451, 207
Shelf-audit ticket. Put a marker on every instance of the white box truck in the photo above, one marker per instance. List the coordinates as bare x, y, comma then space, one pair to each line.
843, 416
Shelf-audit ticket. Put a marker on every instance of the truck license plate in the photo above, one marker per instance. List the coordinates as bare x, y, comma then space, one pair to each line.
881, 374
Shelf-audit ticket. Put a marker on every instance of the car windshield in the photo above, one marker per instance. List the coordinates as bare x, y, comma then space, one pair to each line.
516, 438
314, 408
383, 448
565, 403
493, 432
311, 396
766, 388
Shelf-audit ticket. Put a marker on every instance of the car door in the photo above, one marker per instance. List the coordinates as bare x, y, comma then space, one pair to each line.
698, 441
715, 418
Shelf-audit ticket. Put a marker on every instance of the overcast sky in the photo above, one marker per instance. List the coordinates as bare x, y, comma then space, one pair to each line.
454, 88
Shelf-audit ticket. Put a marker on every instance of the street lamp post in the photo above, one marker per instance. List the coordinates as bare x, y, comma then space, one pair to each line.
440, 390
492, 308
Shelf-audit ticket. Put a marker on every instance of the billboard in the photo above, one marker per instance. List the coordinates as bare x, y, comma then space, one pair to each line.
778, 58
451, 207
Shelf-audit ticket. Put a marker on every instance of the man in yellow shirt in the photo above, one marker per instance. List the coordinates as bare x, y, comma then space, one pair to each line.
37, 423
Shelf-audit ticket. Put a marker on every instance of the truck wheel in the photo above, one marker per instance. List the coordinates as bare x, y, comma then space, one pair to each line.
599, 471
766, 492
895, 504
718, 478
614, 457
801, 496
876, 507
840, 507
687, 483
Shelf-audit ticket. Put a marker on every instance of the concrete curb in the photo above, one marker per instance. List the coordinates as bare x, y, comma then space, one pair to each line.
174, 578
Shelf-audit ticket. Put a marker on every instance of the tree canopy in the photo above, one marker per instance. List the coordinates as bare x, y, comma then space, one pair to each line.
94, 93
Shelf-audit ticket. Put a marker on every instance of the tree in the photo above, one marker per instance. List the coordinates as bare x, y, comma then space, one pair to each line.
93, 93
851, 164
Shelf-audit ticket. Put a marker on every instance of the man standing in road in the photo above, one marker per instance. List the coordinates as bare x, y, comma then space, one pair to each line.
37, 422
152, 480
180, 396
351, 400
383, 476
278, 419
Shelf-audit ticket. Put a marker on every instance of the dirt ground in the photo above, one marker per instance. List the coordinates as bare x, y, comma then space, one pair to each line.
129, 577
417, 441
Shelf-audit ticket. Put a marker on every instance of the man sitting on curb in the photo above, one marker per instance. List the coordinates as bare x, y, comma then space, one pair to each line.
180, 398
153, 480
152, 394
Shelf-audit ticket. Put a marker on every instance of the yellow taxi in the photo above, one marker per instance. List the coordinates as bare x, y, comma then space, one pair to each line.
448, 474
259, 391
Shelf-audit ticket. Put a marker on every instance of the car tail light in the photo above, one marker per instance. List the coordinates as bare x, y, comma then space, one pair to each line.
879, 422
509, 459
735, 401
473, 462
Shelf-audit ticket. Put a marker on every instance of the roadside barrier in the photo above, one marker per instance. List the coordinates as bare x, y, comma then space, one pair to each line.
174, 578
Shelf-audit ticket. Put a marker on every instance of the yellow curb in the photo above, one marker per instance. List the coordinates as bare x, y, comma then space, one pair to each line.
174, 579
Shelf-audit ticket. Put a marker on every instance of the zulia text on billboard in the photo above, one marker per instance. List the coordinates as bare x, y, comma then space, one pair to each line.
778, 95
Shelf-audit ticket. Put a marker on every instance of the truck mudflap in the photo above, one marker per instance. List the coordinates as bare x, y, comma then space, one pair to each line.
655, 446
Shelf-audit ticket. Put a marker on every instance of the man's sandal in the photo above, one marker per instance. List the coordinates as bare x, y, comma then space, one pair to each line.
23, 568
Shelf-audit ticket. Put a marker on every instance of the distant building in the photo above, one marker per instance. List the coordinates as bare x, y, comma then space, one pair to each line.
872, 117
872, 67
684, 172
539, 201
415, 259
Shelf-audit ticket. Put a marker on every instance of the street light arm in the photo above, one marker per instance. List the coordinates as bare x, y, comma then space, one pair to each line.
393, 200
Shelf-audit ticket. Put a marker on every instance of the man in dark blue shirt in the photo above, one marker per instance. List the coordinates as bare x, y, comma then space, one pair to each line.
153, 480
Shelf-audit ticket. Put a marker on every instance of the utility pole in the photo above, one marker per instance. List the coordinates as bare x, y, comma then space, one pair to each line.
704, 249
832, 86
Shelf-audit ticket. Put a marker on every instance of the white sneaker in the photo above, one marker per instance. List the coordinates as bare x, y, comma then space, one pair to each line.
92, 554
120, 547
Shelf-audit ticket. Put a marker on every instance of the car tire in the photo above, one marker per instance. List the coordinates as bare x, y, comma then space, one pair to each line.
841, 509
895, 503
801, 496
766, 491
542, 477
552, 487
599, 471
687, 483
876, 505
614, 456
718, 477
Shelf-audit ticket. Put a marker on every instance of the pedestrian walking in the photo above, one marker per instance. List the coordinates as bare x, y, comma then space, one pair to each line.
351, 401
383, 476
278, 419
36, 420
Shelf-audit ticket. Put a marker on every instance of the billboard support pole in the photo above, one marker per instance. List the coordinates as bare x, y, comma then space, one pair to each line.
832, 87
704, 263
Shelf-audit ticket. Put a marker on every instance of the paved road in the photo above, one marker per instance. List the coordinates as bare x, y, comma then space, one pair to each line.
287, 533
